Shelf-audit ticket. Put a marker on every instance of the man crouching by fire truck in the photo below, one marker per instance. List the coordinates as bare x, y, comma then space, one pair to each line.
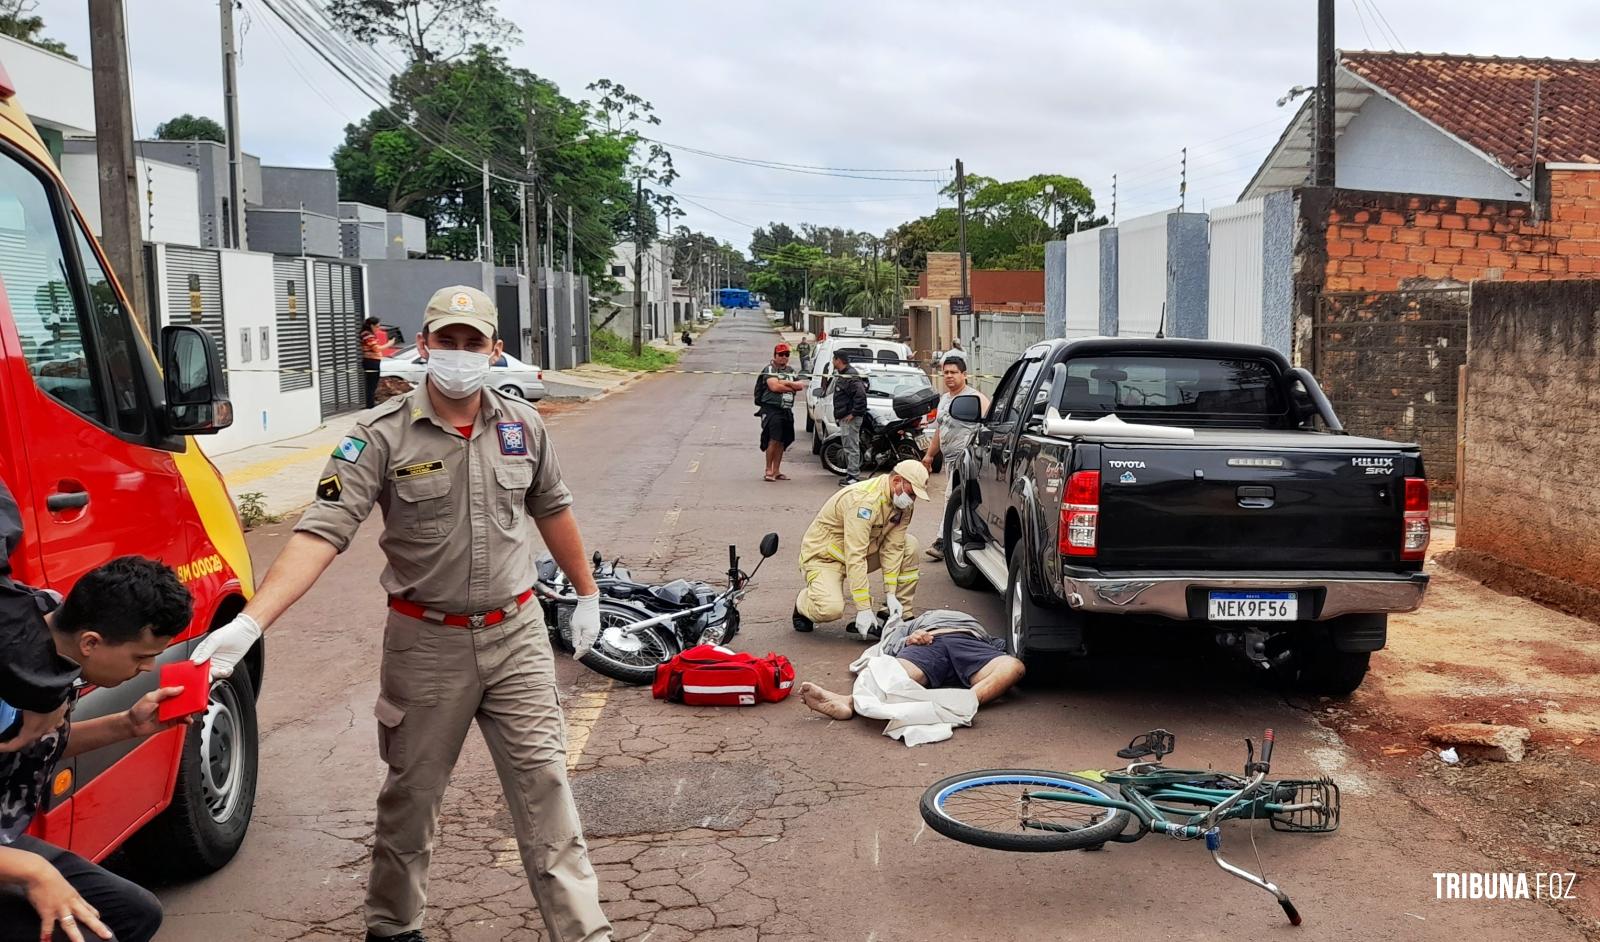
113, 625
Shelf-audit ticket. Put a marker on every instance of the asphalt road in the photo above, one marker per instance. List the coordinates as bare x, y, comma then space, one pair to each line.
773, 823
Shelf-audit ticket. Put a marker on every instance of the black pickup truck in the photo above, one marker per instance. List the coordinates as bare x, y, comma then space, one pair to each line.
1194, 482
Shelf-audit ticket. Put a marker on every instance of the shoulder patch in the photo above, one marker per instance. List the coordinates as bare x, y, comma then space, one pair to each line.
349, 449
513, 438
330, 488
864, 513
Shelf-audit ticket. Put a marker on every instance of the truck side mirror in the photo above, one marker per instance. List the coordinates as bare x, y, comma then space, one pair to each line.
966, 409
196, 391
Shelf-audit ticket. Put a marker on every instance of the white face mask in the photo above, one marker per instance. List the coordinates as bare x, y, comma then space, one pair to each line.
458, 373
904, 501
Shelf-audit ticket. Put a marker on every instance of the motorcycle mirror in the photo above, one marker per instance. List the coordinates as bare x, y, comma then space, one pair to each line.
769, 545
597, 559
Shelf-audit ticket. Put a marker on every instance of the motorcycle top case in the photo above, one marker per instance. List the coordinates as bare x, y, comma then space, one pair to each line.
915, 402
712, 675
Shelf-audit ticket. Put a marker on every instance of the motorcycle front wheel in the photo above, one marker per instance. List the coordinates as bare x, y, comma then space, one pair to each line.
630, 658
833, 455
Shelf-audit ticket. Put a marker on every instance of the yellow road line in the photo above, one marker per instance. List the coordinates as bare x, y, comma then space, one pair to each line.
266, 469
582, 715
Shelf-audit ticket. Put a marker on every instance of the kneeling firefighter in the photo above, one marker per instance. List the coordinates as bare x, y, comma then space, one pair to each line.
862, 528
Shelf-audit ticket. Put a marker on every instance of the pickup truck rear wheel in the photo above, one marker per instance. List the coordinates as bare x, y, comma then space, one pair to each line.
962, 572
1018, 607
1326, 670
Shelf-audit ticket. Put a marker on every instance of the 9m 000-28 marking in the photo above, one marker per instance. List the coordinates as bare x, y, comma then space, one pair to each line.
200, 568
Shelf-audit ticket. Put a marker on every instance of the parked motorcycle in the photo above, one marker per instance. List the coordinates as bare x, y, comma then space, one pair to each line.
885, 444
644, 625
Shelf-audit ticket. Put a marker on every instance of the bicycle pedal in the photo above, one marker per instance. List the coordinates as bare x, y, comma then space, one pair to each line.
1156, 742
1321, 794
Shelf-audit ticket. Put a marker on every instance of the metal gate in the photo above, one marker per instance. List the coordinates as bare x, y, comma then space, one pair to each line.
292, 302
339, 307
194, 292
1389, 362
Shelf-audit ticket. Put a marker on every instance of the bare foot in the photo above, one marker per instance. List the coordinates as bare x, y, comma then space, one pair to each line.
826, 702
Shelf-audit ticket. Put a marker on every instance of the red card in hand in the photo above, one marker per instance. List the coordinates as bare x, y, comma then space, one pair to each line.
195, 679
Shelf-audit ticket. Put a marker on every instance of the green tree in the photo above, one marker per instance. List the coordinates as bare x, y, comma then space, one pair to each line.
1007, 222
428, 30
768, 239
188, 127
18, 22
781, 276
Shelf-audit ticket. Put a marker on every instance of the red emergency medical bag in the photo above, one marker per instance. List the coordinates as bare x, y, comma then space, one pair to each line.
712, 675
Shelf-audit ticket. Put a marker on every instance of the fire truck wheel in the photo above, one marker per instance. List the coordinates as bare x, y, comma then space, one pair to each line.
215, 793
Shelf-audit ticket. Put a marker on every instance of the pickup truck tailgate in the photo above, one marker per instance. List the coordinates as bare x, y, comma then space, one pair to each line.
1252, 506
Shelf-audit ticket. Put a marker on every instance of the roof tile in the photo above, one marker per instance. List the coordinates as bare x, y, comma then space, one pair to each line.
1488, 101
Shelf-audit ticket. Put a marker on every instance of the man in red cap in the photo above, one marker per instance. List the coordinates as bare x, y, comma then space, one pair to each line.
775, 396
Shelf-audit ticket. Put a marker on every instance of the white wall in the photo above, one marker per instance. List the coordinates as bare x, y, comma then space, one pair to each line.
1141, 274
1083, 284
169, 203
53, 89
261, 413
1234, 309
1386, 147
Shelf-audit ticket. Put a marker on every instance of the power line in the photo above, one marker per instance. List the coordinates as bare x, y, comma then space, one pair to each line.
1363, 20
1385, 21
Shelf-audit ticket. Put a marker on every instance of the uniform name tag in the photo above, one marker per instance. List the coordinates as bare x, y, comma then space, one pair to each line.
513, 438
411, 471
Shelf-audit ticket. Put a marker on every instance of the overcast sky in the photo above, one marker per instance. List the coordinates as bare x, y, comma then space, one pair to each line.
906, 86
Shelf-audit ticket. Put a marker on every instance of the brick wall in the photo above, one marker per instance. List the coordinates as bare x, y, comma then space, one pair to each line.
1389, 362
990, 288
1529, 501
1386, 241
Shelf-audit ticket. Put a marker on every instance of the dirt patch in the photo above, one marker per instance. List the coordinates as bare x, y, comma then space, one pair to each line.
1473, 654
1505, 575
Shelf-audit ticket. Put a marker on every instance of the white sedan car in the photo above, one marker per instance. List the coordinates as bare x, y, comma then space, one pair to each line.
884, 382
508, 374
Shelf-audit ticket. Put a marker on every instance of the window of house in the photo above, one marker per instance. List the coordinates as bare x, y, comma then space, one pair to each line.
619, 271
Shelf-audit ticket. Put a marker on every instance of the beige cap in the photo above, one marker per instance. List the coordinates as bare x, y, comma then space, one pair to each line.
917, 473
461, 304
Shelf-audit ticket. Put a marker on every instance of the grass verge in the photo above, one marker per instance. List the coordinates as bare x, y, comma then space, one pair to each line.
606, 347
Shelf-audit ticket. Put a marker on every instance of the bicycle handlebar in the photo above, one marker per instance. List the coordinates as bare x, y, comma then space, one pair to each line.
1264, 764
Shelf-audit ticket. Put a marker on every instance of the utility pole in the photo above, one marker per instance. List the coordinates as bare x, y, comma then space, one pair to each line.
1113, 199
1322, 173
530, 219
638, 267
113, 125
876, 314
230, 114
488, 222
572, 283
961, 221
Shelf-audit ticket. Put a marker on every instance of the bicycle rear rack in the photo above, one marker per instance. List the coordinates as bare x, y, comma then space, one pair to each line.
1321, 796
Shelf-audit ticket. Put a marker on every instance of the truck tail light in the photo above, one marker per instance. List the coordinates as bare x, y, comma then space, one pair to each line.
1418, 530
1080, 515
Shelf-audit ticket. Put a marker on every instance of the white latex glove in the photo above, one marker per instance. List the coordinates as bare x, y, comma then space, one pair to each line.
897, 612
228, 645
865, 621
585, 625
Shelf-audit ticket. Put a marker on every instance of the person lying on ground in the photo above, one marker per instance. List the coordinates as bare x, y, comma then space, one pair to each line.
939, 649
113, 625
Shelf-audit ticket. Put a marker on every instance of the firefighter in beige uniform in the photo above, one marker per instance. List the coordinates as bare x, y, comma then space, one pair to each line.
861, 528
460, 472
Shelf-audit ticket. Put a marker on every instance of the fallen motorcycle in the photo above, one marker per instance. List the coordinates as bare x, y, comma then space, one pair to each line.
644, 625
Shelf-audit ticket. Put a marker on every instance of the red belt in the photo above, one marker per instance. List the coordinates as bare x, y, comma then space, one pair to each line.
479, 620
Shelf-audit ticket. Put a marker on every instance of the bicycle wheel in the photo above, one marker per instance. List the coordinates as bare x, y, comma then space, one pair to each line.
992, 809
